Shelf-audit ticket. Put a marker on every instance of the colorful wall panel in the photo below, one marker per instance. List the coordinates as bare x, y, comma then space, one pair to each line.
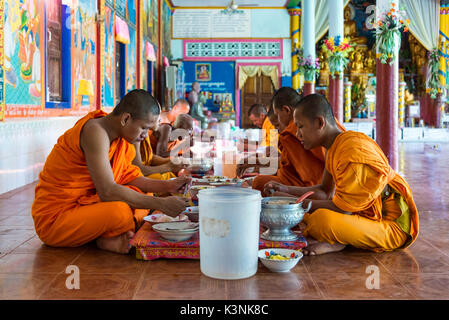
22, 54
131, 66
217, 79
83, 53
166, 30
109, 59
150, 20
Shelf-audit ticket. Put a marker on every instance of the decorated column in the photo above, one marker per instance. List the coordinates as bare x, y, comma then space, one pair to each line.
309, 69
388, 41
347, 100
336, 33
295, 14
401, 106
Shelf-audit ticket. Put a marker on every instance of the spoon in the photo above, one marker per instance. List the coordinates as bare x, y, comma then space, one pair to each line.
305, 195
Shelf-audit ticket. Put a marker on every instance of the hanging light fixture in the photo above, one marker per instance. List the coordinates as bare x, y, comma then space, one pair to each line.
232, 9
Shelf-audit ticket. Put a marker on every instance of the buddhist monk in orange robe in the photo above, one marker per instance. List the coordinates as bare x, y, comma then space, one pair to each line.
297, 166
170, 138
153, 166
89, 190
361, 200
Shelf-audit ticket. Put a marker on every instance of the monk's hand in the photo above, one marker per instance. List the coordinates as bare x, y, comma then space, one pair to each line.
173, 167
273, 187
172, 206
241, 168
179, 184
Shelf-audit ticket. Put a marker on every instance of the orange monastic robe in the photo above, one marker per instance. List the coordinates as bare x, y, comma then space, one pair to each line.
384, 218
67, 211
298, 166
271, 135
146, 153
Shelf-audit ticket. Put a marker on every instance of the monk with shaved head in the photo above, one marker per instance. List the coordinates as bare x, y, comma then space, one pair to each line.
361, 201
89, 189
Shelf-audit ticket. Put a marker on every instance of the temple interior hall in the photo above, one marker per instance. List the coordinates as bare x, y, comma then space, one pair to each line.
382, 66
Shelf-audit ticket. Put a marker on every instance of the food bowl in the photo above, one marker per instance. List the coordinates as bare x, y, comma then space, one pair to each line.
200, 166
268, 259
280, 214
192, 213
176, 231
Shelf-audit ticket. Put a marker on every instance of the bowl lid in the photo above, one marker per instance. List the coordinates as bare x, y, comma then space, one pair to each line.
230, 194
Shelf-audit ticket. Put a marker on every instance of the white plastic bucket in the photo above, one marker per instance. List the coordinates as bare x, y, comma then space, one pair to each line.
229, 232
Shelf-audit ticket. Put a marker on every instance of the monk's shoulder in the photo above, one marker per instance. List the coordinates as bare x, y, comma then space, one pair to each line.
93, 133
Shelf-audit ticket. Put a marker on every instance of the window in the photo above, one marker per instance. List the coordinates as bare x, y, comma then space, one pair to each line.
58, 55
54, 50
120, 55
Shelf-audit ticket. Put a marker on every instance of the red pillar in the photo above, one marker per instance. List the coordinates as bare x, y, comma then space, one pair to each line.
309, 88
336, 97
387, 110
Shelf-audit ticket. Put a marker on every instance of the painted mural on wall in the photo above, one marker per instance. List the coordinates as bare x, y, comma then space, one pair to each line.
83, 53
166, 31
120, 7
109, 58
131, 67
22, 52
150, 20
131, 11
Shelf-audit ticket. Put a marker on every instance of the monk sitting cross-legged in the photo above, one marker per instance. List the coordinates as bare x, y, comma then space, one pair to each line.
361, 200
298, 166
89, 190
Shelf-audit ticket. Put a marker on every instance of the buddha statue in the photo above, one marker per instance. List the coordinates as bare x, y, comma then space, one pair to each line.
323, 79
357, 65
350, 27
370, 62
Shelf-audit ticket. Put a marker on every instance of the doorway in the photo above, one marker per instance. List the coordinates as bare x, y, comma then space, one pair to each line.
257, 89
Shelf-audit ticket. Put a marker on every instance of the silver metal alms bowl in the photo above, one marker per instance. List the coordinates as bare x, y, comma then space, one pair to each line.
280, 214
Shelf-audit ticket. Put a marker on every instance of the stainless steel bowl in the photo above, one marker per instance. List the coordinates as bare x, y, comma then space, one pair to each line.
201, 167
280, 218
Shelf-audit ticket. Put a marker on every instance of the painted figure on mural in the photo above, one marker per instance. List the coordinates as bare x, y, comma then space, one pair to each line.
12, 23
27, 31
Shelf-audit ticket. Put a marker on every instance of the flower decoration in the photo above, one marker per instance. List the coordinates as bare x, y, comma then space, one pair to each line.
308, 66
389, 26
337, 52
433, 84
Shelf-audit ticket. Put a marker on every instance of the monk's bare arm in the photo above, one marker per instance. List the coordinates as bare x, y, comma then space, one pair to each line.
323, 204
94, 142
158, 160
162, 142
323, 191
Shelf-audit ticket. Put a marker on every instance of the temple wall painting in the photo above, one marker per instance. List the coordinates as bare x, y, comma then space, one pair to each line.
109, 59
22, 53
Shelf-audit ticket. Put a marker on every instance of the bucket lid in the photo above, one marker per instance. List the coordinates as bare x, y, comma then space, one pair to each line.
229, 194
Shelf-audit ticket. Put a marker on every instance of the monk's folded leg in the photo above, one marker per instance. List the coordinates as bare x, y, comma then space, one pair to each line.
334, 227
260, 181
87, 223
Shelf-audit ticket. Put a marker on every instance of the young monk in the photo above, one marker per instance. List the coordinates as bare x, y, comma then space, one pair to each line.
154, 166
298, 166
372, 206
164, 146
89, 190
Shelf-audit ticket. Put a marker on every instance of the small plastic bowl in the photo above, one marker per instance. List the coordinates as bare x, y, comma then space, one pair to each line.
280, 265
192, 213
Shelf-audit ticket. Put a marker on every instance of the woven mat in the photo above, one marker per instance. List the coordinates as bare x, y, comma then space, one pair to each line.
150, 245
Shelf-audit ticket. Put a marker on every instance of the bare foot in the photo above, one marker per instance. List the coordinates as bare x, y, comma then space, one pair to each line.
119, 244
317, 248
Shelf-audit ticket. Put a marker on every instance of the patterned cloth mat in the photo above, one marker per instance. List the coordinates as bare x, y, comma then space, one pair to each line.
150, 245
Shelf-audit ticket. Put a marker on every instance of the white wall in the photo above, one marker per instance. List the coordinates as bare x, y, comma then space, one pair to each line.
24, 146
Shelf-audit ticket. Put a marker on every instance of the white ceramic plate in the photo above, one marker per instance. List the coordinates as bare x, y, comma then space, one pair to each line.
176, 227
191, 210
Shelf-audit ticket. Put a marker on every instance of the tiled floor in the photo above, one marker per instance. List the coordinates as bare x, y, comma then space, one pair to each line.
31, 270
